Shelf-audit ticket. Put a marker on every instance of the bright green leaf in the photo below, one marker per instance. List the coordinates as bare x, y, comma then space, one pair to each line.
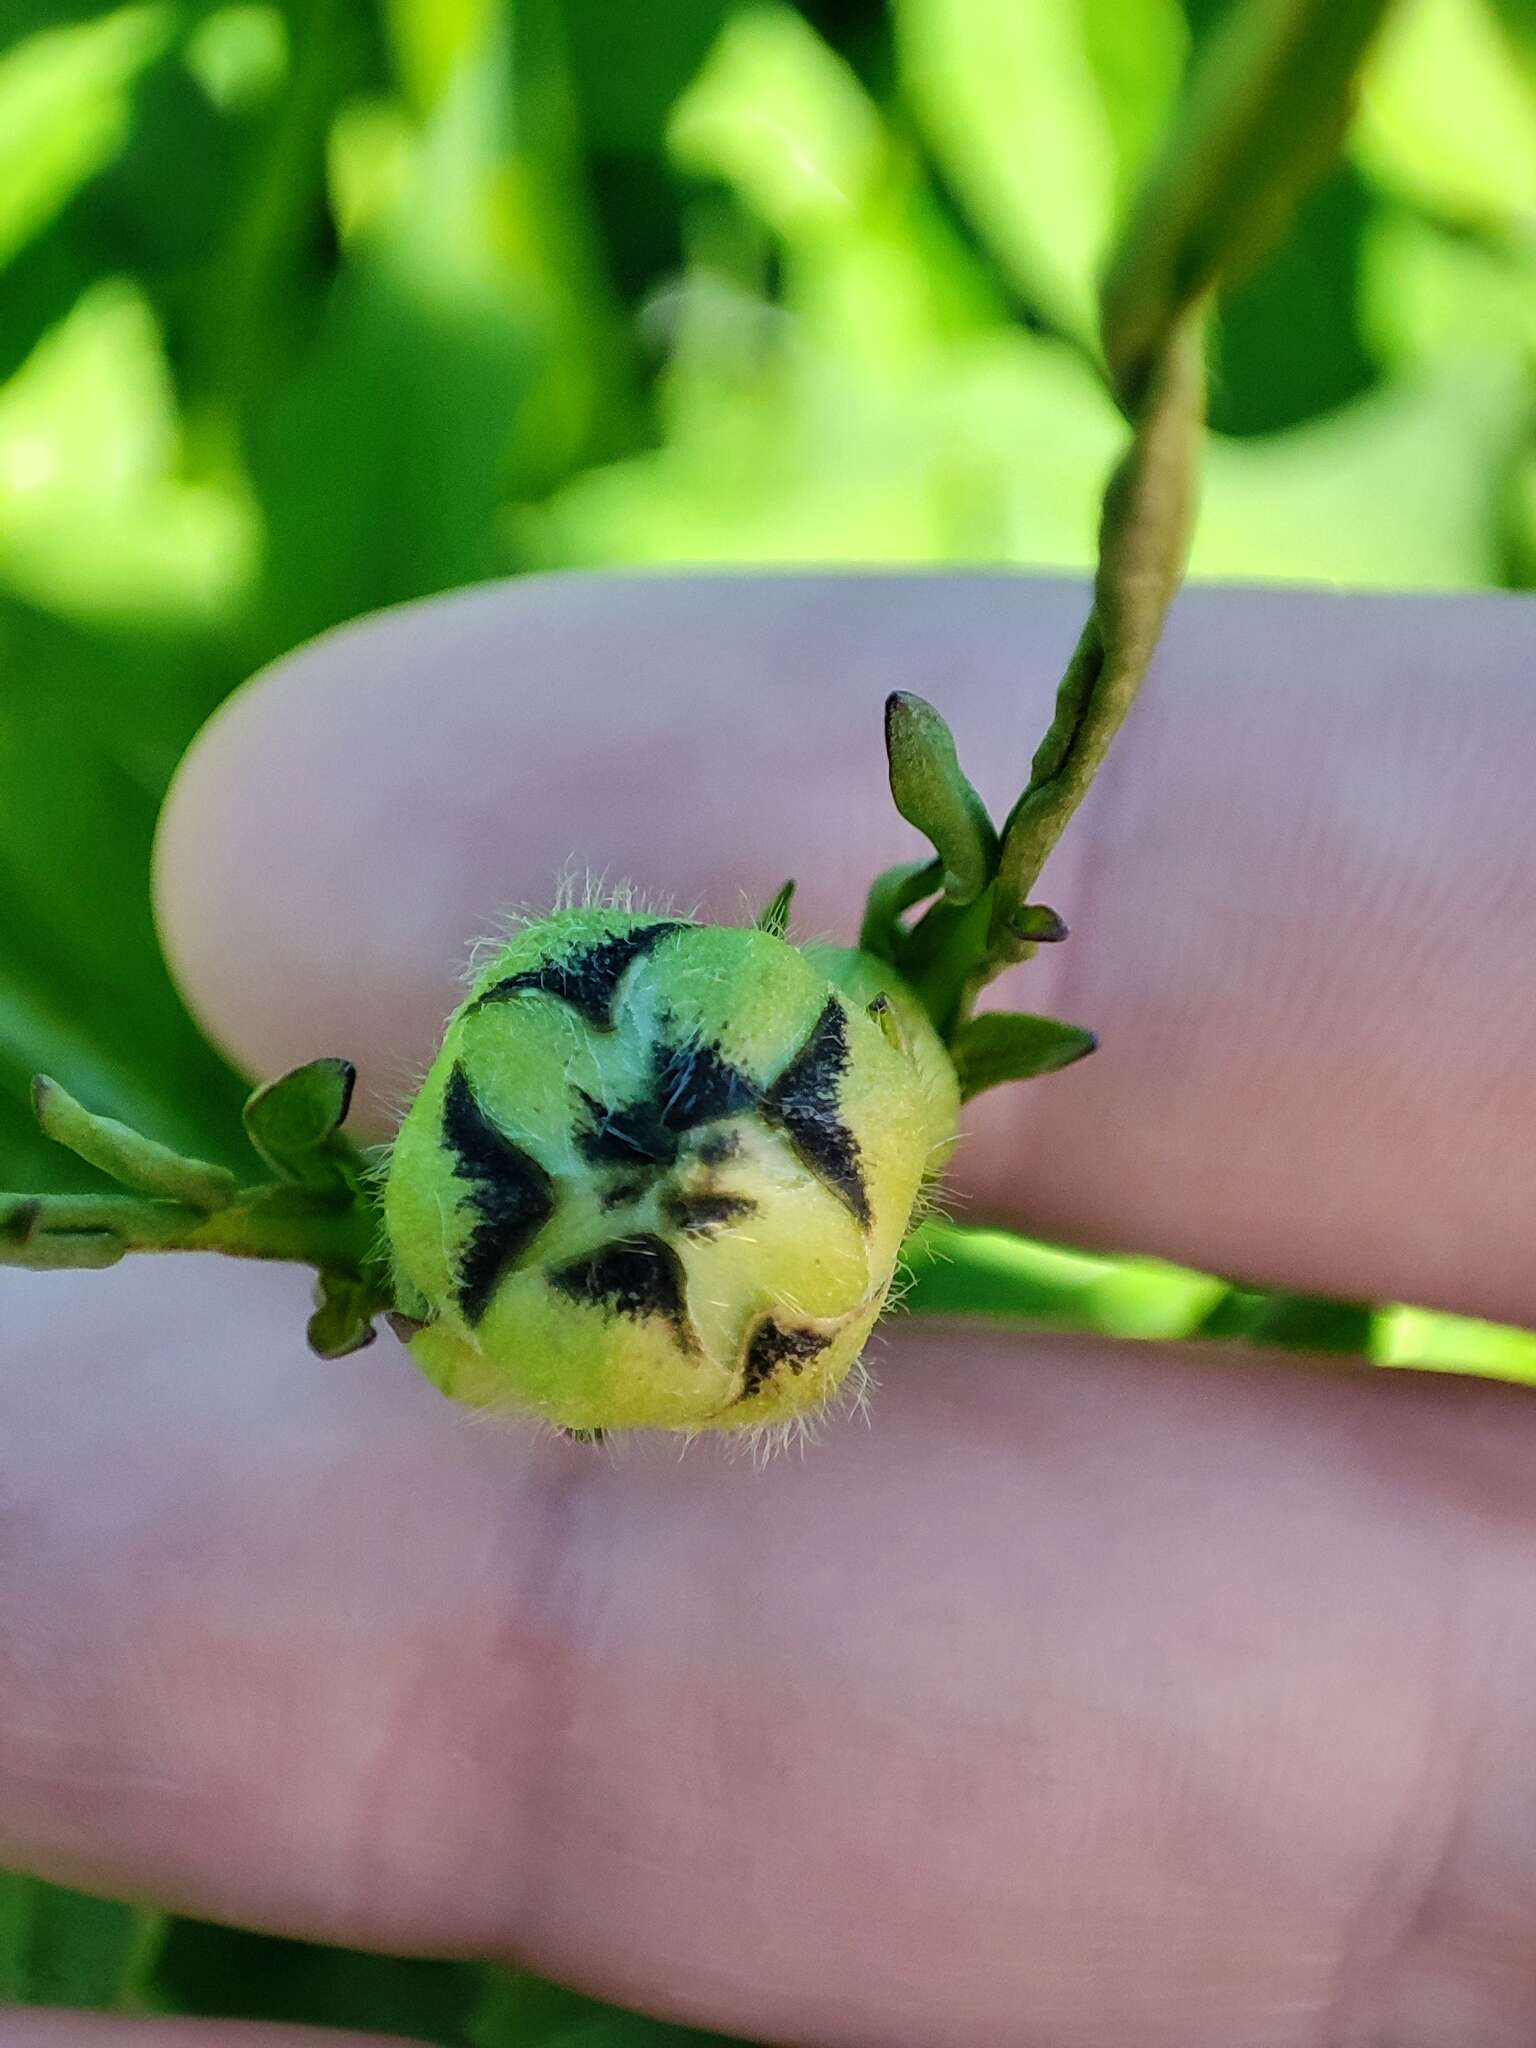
66, 99
1447, 120
1008, 95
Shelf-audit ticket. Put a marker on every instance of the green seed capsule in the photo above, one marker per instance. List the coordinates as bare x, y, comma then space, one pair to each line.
659, 1173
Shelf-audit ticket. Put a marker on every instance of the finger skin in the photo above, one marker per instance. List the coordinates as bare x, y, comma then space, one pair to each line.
1086, 1697
1299, 891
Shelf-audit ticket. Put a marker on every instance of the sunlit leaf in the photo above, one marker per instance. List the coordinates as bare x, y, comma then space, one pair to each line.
239, 55
1445, 117
1039, 169
779, 115
66, 101
98, 519
1400, 490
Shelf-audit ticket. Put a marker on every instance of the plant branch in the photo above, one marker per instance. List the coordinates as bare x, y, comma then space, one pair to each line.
1262, 119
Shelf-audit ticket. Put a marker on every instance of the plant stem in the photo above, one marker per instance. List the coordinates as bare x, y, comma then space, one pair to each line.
1262, 119
274, 1222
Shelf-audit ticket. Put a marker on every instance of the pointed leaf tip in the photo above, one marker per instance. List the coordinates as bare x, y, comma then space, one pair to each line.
1012, 1045
773, 918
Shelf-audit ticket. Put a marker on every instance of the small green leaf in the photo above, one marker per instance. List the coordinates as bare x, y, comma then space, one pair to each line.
343, 1319
932, 793
140, 1163
1011, 1045
293, 1122
891, 894
774, 915
1038, 925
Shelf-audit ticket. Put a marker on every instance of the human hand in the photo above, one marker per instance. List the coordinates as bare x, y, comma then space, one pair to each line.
1093, 1694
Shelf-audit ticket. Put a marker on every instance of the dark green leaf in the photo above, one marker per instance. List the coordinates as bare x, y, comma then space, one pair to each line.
293, 1123
60, 1947
774, 915
343, 1319
891, 895
238, 1975
1296, 1322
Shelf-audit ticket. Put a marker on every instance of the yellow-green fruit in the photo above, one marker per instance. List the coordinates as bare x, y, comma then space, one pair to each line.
659, 1173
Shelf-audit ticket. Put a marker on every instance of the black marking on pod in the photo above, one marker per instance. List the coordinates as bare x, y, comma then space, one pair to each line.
509, 1192
717, 1149
632, 1276
631, 1137
804, 1101
587, 978
774, 1345
690, 1085
620, 1193
702, 1214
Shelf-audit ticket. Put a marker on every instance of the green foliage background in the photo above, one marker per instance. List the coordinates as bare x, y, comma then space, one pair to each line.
310, 307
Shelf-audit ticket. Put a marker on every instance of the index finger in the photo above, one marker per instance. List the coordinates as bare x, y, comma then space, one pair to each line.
1298, 892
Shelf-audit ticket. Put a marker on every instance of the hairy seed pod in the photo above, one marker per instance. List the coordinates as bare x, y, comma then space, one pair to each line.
659, 1173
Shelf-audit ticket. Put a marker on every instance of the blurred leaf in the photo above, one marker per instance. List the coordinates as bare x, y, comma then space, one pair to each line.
994, 1273
1038, 168
1296, 1322
434, 40
1262, 119
1287, 343
1138, 52
239, 55
66, 98
1427, 293
1345, 500
523, 2011
457, 363
232, 1974
1447, 120
630, 65
83, 991
96, 519
1427, 1341
783, 119
60, 1947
